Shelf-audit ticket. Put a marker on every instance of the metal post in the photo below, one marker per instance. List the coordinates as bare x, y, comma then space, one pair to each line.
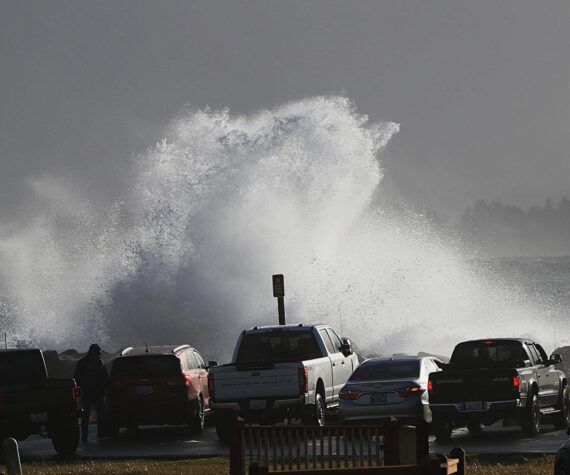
281, 310
12, 457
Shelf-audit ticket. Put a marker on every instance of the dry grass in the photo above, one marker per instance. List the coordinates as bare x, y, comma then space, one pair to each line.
209, 466
511, 465
479, 465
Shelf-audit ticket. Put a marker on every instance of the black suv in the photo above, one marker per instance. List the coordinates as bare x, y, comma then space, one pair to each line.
157, 385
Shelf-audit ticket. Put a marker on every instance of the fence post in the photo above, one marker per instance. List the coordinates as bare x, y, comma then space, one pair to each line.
391, 442
422, 442
12, 456
236, 448
459, 453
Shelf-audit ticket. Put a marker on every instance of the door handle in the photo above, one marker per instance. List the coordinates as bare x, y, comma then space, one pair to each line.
334, 364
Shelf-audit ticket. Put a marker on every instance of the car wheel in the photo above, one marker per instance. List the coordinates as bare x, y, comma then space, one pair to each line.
316, 413
442, 430
224, 427
562, 419
531, 417
561, 466
65, 436
197, 419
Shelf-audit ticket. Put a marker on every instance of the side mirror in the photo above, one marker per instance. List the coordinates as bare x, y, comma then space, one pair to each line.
555, 358
346, 347
212, 364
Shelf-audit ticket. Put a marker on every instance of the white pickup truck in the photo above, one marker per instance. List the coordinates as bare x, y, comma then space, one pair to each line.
279, 372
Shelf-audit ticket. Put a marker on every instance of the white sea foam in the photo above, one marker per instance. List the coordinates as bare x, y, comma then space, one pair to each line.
216, 208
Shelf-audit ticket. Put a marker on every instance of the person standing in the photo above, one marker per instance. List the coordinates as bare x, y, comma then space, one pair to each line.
91, 377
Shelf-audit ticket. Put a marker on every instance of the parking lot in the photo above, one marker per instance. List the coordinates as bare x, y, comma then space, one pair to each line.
177, 442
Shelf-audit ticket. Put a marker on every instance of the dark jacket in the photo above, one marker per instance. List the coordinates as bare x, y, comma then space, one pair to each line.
91, 376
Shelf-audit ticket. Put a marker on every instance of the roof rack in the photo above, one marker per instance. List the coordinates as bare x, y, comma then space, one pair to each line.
126, 350
178, 348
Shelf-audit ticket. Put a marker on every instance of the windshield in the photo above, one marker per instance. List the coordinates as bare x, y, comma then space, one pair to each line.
482, 354
390, 369
278, 347
145, 366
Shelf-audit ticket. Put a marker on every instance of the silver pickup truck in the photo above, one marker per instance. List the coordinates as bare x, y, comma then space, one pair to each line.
279, 372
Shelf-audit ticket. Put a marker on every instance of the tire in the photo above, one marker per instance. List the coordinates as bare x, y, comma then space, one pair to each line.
316, 415
65, 436
562, 419
197, 418
561, 467
224, 427
442, 430
531, 416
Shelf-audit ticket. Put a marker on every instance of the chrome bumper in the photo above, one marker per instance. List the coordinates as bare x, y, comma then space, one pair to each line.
488, 406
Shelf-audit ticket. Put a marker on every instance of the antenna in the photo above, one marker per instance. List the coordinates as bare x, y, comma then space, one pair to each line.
146, 344
6, 339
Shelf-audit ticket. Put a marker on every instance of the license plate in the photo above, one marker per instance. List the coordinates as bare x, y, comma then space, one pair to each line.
474, 406
379, 398
38, 417
261, 404
143, 390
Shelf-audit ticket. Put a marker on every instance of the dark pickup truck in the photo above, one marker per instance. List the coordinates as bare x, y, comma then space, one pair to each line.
32, 403
493, 379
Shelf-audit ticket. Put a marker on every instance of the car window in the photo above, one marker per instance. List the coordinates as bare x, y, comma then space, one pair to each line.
277, 347
486, 353
328, 342
538, 359
541, 353
191, 361
144, 366
21, 367
335, 339
386, 369
201, 363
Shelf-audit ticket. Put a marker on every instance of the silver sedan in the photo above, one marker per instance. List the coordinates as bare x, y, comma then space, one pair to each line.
385, 388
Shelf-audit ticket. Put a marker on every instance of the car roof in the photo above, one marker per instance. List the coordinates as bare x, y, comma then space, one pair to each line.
154, 350
398, 358
519, 340
288, 327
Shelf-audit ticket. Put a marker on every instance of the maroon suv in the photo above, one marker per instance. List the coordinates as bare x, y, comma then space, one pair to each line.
157, 385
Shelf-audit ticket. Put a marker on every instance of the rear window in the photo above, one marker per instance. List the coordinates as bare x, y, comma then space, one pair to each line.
141, 366
377, 370
21, 367
277, 347
485, 353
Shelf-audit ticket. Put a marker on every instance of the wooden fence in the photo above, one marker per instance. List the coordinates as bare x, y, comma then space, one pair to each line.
331, 449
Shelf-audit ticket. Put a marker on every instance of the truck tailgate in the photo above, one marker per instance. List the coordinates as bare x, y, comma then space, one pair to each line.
280, 381
476, 385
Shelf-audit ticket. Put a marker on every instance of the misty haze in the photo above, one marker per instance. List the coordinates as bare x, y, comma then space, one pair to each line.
405, 168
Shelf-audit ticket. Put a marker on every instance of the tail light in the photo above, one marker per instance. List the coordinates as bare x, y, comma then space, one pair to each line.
430, 386
211, 389
349, 395
410, 391
303, 380
516, 382
76, 393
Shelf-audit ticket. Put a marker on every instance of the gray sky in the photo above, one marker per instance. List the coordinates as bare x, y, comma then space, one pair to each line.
481, 89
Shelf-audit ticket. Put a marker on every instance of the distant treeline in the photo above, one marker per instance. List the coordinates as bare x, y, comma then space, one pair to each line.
507, 230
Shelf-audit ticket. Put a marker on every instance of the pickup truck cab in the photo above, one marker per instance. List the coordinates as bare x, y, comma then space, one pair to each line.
278, 372
32, 403
493, 379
